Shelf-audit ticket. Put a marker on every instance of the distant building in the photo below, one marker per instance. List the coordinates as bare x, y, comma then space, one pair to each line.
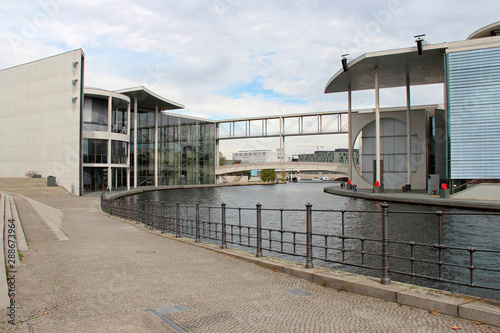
329, 156
257, 156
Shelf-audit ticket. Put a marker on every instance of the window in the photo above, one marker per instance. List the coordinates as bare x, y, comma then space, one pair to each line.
118, 152
95, 114
95, 151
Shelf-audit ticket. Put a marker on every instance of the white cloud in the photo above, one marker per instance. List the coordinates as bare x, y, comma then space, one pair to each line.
194, 51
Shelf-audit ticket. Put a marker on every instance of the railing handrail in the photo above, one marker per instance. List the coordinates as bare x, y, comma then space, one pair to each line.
212, 225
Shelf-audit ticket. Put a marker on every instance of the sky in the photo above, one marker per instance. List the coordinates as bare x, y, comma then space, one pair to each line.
227, 59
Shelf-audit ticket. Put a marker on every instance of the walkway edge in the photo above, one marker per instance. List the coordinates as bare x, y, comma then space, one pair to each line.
463, 306
432, 201
4, 288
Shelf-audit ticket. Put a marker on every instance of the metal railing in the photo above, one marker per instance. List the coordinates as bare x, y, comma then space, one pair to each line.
290, 232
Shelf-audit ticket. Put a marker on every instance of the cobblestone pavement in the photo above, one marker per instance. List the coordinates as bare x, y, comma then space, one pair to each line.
109, 273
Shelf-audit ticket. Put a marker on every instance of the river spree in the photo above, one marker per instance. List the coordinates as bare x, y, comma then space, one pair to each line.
459, 230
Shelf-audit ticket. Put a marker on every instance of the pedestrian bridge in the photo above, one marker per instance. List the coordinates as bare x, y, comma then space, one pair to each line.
284, 166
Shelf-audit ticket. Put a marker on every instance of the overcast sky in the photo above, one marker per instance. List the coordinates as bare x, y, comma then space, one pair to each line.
227, 59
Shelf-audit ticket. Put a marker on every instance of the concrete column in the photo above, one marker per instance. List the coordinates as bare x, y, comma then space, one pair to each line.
349, 131
110, 178
377, 126
128, 147
110, 113
110, 126
135, 142
281, 137
282, 152
217, 150
408, 128
156, 147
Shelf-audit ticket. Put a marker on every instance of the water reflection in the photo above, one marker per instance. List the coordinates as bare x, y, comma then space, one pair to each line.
457, 229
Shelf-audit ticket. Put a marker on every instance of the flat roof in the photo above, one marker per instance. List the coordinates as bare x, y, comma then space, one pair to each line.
484, 31
148, 100
394, 66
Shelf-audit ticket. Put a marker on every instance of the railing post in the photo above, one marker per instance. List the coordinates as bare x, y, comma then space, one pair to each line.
309, 255
162, 219
178, 220
223, 207
386, 279
440, 247
259, 230
197, 223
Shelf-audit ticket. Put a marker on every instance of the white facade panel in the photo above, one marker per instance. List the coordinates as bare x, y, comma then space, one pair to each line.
474, 106
40, 114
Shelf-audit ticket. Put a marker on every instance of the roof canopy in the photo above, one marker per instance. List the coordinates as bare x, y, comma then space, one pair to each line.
394, 66
485, 31
148, 100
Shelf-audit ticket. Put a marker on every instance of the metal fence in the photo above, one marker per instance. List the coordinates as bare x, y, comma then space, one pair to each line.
290, 232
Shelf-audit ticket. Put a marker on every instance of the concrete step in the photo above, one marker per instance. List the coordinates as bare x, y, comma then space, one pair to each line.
31, 187
23, 182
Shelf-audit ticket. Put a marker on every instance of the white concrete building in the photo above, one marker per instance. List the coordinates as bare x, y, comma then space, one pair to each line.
92, 139
257, 156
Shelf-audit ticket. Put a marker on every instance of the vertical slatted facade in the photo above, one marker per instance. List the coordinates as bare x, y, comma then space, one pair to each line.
474, 114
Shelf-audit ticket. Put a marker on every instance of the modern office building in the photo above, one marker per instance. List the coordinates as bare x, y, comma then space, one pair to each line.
91, 139
470, 73
257, 156
329, 156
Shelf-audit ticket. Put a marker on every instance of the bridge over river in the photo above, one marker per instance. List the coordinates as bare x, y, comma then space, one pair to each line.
339, 168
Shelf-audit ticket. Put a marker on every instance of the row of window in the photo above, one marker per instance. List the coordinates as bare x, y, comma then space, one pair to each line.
96, 151
95, 116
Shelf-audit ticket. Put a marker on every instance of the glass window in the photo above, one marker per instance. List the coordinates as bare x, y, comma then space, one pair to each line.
95, 151
95, 114
118, 152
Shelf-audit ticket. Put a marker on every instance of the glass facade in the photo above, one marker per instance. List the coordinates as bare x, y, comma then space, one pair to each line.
95, 151
186, 150
336, 156
186, 146
118, 152
95, 114
473, 93
95, 179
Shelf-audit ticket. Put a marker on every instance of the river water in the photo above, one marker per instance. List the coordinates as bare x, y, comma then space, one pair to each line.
460, 230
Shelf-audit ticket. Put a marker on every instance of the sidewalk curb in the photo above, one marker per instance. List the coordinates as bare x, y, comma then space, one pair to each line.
467, 307
432, 201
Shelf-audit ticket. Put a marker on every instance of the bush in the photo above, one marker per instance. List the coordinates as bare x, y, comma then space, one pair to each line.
268, 175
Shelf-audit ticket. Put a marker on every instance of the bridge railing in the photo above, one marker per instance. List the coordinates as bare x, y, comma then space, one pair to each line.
291, 233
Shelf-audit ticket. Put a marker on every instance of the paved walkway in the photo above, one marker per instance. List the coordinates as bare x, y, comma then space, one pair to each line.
109, 273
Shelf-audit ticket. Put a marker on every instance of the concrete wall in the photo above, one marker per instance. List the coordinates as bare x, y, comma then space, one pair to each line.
480, 192
40, 119
233, 179
419, 124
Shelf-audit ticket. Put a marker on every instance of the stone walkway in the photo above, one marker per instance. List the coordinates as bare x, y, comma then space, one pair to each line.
110, 273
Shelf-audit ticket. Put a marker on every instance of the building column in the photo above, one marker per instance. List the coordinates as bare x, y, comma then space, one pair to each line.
282, 139
110, 113
156, 147
110, 127
217, 151
135, 142
408, 128
282, 152
349, 132
128, 147
377, 127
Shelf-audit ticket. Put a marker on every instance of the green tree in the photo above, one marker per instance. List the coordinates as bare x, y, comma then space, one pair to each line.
268, 175
222, 159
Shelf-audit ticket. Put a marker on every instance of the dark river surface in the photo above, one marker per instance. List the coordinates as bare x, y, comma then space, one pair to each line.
458, 229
